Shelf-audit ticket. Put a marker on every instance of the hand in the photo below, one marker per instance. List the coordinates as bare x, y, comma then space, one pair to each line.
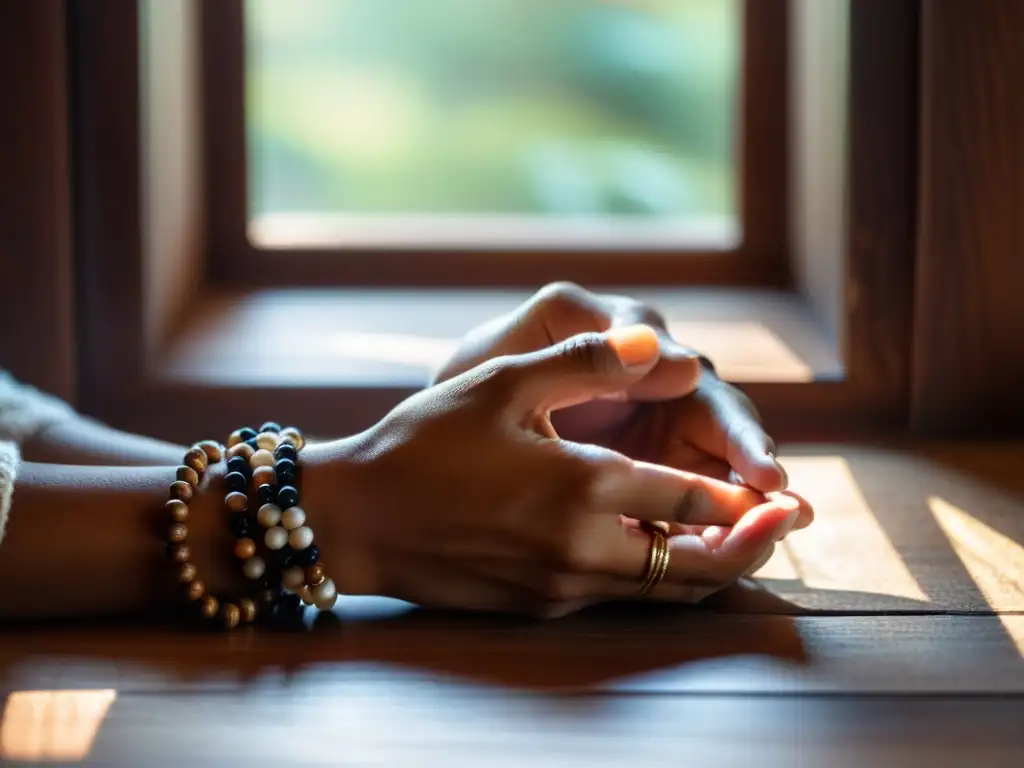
461, 498
679, 414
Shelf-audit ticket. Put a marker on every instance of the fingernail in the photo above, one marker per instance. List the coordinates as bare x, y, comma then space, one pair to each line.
635, 345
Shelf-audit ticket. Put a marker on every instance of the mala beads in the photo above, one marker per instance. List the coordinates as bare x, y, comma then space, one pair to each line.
262, 465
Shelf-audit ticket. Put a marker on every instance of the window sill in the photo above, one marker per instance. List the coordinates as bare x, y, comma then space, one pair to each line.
394, 339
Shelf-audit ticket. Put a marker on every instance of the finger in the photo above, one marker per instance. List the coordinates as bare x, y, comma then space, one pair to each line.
677, 372
762, 561
581, 368
693, 563
729, 429
653, 492
806, 516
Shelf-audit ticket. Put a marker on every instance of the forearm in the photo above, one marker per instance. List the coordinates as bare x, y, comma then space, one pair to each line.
89, 540
86, 442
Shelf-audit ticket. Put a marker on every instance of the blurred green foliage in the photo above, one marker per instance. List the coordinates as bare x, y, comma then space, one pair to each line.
549, 107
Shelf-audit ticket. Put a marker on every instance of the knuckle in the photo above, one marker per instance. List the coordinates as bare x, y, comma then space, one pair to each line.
499, 377
691, 505
561, 295
588, 352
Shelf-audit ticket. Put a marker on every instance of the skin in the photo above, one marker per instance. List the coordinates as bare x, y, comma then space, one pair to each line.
496, 508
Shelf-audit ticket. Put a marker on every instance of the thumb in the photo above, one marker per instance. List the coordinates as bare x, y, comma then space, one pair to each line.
584, 367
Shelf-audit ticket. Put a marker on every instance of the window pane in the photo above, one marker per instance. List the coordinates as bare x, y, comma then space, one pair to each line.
538, 108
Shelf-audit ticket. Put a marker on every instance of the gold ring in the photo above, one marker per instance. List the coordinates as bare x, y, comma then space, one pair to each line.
657, 559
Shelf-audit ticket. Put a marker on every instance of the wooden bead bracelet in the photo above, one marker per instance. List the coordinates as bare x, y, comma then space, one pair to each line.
189, 476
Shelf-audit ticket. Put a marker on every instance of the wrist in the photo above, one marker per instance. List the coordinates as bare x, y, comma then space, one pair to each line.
336, 498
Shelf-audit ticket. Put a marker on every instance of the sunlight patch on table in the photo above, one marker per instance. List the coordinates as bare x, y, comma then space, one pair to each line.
780, 566
52, 726
994, 561
846, 548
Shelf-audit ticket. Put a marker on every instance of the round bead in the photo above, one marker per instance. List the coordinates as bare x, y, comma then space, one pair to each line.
177, 533
196, 458
186, 572
287, 496
194, 590
270, 426
292, 518
291, 603
301, 537
188, 475
209, 607
269, 515
247, 607
235, 438
236, 481
293, 578
236, 502
253, 444
314, 574
242, 449
286, 451
245, 548
275, 537
285, 557
254, 568
325, 594
180, 553
267, 440
294, 436
238, 464
286, 471
181, 490
264, 476
177, 510
262, 458
305, 594
308, 556
230, 615
239, 525
266, 494
214, 451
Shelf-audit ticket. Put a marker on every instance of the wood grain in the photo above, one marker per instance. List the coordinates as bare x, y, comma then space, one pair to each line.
371, 643
968, 366
35, 213
881, 175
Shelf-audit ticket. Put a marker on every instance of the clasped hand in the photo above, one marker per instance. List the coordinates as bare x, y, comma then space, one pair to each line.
516, 482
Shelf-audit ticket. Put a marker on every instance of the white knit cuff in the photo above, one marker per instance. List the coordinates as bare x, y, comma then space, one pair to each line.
24, 411
9, 459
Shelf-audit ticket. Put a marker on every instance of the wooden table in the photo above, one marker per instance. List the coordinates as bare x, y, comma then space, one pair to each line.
891, 632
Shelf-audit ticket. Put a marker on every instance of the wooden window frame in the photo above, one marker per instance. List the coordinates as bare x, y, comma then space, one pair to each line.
125, 333
761, 258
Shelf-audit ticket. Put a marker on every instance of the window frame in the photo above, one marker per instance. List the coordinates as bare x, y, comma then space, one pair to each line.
122, 376
760, 259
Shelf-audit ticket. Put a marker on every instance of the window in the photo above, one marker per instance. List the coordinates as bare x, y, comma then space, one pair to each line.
450, 141
174, 300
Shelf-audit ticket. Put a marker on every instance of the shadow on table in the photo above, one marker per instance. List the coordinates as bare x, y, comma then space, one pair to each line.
588, 649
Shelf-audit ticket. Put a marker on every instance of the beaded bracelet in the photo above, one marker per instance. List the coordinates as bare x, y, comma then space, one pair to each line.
186, 484
267, 460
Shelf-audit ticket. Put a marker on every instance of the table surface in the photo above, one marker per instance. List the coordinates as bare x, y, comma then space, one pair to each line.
890, 632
